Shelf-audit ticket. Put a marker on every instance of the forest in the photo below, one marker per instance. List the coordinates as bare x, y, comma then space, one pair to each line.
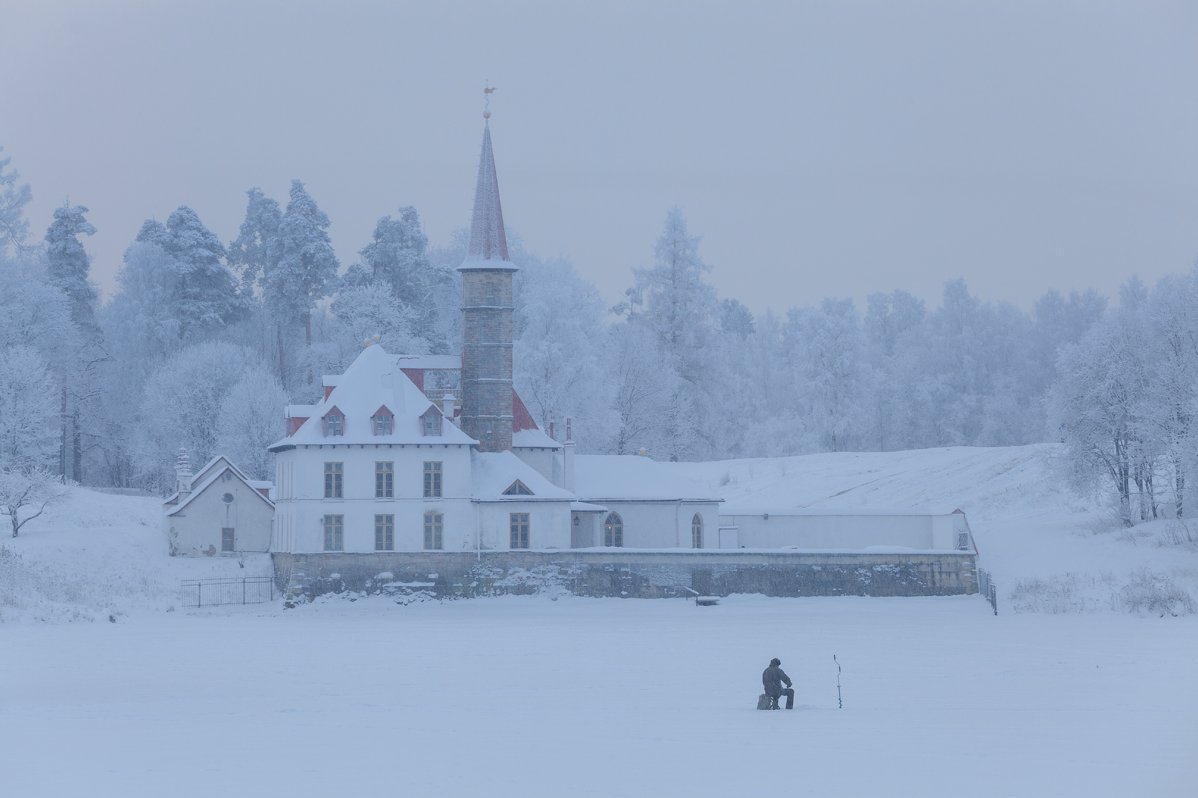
202, 342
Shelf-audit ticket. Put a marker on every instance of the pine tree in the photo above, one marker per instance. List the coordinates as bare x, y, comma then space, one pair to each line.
206, 297
67, 264
397, 257
306, 267
256, 249
13, 198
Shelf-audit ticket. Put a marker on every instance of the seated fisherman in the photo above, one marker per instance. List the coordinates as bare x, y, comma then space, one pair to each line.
772, 678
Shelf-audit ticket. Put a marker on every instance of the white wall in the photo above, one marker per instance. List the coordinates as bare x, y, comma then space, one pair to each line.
301, 504
197, 529
661, 524
549, 523
543, 460
808, 531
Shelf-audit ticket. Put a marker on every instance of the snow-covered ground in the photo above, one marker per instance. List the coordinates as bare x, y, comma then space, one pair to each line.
540, 697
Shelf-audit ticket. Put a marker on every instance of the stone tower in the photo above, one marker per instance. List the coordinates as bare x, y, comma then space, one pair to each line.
487, 316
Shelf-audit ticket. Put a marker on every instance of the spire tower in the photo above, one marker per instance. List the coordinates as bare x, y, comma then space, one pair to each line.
487, 313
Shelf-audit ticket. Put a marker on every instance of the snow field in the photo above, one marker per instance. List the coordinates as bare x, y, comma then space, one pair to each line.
586, 697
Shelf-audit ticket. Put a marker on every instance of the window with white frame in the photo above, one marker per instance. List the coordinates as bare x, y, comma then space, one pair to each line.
697, 531
227, 539
434, 525
334, 474
384, 423
432, 479
613, 530
519, 529
432, 423
384, 532
334, 423
384, 480
334, 526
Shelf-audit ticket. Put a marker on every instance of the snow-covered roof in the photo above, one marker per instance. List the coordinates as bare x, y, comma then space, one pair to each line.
213, 475
374, 378
431, 362
616, 477
533, 439
586, 507
494, 472
488, 241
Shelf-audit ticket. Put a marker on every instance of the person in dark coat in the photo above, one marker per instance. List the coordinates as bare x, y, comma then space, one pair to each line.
772, 678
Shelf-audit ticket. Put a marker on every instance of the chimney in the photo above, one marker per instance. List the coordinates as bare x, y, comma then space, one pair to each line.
568, 456
183, 473
552, 429
447, 405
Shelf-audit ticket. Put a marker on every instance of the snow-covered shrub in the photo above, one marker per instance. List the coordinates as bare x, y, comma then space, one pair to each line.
1155, 593
1064, 593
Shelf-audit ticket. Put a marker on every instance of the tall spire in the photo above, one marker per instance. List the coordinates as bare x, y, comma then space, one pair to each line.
487, 239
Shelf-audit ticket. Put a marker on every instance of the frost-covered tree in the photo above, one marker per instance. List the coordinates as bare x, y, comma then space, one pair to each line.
68, 265
894, 326
1097, 406
397, 257
25, 494
371, 313
560, 365
206, 296
29, 399
827, 350
181, 406
255, 251
680, 307
649, 400
306, 267
250, 419
14, 227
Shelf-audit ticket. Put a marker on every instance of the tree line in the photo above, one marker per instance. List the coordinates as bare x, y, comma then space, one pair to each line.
203, 342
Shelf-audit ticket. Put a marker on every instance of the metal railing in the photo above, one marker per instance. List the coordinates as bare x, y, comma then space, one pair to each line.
215, 592
988, 589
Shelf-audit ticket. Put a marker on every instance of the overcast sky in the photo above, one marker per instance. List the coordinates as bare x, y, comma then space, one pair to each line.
819, 148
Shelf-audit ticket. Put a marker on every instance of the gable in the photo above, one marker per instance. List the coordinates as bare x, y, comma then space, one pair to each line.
518, 488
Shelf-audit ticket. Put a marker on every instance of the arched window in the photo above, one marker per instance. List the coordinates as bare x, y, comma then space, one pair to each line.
613, 530
697, 531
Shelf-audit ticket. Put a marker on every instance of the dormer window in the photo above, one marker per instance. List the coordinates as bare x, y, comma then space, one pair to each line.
334, 423
430, 423
518, 488
383, 421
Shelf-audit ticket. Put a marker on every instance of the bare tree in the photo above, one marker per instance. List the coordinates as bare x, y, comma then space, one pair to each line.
23, 490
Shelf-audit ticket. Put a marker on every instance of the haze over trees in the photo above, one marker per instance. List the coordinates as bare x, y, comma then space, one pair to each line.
202, 343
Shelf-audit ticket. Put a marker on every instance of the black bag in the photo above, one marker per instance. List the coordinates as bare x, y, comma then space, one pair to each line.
763, 702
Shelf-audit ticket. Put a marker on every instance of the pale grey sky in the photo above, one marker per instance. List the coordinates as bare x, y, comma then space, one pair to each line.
819, 148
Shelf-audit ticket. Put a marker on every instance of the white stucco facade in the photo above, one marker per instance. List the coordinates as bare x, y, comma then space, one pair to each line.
218, 512
846, 530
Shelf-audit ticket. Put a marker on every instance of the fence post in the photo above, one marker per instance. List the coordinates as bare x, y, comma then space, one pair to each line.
199, 594
243, 590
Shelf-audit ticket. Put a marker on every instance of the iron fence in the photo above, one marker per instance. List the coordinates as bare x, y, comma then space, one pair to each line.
988, 589
214, 592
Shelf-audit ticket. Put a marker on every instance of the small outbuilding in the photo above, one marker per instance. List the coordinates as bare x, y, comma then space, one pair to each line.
217, 511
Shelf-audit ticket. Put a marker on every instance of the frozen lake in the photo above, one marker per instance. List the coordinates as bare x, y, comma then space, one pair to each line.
577, 697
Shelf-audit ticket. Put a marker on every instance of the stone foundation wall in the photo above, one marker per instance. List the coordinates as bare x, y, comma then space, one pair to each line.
629, 574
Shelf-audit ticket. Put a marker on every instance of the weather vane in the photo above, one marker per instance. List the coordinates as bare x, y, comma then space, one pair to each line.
488, 90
